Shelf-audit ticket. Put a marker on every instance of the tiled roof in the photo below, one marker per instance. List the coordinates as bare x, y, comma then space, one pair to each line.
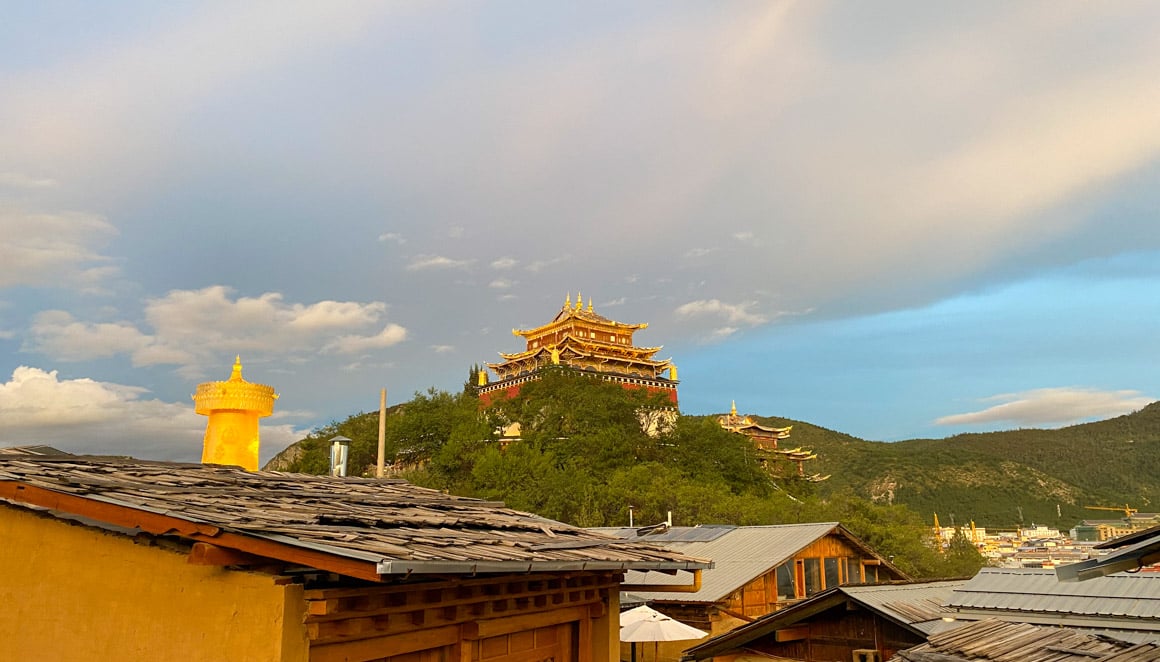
739, 554
996, 641
1122, 600
390, 526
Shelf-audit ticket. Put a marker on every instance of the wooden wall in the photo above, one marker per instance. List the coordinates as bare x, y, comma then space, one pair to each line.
566, 617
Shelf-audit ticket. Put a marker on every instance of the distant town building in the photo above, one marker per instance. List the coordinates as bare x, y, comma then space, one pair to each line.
581, 339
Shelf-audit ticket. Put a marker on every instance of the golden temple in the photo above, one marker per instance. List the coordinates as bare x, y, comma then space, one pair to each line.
581, 339
765, 441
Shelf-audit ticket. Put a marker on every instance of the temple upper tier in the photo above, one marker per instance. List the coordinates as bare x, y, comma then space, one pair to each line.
580, 338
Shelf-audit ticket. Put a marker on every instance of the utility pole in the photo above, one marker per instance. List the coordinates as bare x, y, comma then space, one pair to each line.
382, 432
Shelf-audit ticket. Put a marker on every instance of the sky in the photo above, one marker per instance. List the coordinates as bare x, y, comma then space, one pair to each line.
891, 219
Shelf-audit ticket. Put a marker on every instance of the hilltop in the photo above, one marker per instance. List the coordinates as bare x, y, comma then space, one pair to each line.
994, 478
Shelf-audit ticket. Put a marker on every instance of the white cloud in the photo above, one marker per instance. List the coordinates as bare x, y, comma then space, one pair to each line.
53, 249
443, 349
620, 301
422, 262
88, 416
738, 313
743, 236
21, 181
504, 263
189, 327
700, 252
722, 333
57, 334
1051, 407
392, 334
393, 236
502, 283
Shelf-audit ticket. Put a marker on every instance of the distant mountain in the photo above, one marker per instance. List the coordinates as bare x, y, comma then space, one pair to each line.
999, 479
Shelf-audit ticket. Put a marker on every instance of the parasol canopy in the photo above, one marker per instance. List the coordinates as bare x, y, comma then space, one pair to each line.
654, 626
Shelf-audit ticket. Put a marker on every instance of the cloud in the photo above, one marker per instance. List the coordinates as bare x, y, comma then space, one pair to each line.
58, 250
18, 180
88, 416
392, 334
502, 283
422, 262
722, 333
700, 252
504, 263
738, 313
443, 349
393, 236
189, 327
57, 334
1051, 407
743, 236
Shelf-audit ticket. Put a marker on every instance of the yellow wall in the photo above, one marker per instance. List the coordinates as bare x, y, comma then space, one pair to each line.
70, 592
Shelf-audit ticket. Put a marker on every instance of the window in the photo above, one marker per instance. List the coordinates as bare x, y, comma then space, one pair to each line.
853, 571
785, 584
832, 572
813, 568
870, 572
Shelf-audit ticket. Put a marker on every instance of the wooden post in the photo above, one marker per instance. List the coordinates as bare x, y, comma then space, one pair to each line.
382, 432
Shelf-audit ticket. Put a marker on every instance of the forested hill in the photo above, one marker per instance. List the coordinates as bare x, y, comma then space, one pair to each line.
1003, 478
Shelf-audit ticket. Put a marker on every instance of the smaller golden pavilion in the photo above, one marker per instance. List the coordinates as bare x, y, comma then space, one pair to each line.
765, 440
233, 407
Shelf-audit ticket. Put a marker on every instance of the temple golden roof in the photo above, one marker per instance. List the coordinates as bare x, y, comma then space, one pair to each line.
578, 313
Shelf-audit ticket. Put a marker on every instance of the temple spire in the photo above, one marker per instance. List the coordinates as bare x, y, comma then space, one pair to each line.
733, 409
236, 375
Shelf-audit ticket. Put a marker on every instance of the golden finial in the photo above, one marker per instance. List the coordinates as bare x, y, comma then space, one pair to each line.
579, 300
733, 411
568, 300
236, 375
589, 304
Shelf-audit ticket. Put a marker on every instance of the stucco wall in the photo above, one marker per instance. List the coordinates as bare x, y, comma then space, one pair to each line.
71, 592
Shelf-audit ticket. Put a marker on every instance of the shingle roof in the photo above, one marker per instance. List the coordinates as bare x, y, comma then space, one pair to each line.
996, 641
1122, 600
739, 554
390, 526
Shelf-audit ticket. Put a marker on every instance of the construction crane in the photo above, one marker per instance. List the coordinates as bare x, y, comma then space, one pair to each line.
1128, 512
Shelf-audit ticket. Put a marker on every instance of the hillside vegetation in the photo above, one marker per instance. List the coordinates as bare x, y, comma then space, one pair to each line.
583, 458
1000, 479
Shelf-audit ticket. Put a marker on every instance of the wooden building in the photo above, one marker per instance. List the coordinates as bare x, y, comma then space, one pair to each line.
581, 339
862, 623
756, 570
107, 559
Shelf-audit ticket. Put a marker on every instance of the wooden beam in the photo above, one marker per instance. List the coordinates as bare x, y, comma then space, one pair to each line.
497, 626
203, 553
792, 634
386, 646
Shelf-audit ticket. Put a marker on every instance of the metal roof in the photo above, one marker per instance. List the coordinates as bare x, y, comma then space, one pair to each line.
397, 527
915, 605
1121, 601
739, 555
918, 605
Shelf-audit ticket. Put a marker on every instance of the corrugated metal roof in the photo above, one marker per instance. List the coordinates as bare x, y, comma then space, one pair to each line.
1037, 592
919, 604
739, 554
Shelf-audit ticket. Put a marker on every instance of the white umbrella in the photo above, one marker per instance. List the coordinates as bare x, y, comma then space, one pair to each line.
658, 627
636, 613
646, 624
